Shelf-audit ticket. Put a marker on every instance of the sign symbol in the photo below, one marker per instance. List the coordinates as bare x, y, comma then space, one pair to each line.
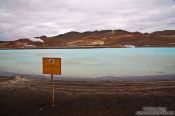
51, 61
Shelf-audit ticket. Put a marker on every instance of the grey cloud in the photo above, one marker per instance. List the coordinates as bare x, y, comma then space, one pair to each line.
29, 18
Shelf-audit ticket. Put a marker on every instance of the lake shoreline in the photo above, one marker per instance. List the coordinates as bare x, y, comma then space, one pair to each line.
133, 78
84, 48
25, 96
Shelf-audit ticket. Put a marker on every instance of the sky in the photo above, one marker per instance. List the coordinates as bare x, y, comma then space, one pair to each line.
31, 18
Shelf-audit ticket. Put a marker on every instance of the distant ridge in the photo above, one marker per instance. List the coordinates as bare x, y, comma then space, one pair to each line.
98, 39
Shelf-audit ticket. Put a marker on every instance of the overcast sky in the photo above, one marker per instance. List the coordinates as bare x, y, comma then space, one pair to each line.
30, 18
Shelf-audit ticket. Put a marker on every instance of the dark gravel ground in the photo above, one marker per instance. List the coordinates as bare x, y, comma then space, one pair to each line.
31, 97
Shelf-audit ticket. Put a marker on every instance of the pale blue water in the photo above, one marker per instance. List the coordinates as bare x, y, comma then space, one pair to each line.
93, 62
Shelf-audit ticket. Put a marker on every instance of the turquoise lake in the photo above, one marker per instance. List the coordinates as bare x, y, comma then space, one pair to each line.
93, 62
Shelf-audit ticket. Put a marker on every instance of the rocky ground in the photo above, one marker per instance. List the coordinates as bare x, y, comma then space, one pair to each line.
32, 97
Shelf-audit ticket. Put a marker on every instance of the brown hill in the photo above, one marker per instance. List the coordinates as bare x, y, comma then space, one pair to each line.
104, 38
23, 43
111, 38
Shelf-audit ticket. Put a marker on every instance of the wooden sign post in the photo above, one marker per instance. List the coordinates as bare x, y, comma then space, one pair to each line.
52, 66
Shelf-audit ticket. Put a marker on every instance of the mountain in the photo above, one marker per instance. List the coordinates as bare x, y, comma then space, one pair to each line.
104, 38
20, 43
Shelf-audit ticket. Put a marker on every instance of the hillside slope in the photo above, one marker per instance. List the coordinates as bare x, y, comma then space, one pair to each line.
94, 39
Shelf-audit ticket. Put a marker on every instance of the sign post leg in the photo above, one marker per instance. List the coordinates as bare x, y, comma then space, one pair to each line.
53, 91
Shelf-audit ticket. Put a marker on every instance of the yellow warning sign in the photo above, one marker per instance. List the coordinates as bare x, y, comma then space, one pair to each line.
52, 66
